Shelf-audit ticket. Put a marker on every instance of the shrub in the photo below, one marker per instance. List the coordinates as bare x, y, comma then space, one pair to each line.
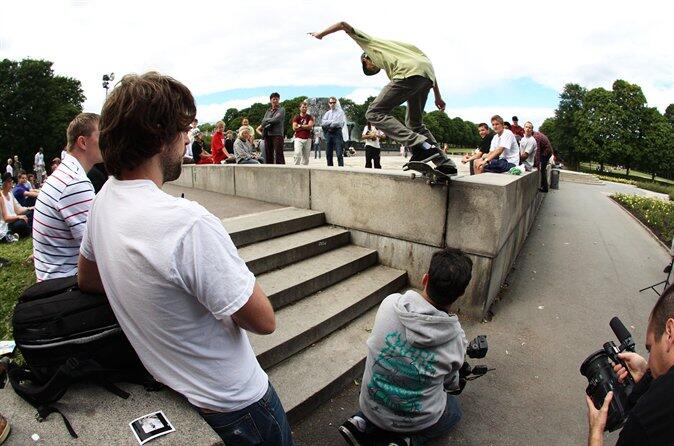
657, 214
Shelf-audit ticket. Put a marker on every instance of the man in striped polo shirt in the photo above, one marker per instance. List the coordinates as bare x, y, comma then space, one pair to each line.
63, 204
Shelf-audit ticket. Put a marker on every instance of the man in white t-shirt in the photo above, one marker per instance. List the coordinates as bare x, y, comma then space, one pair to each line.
528, 147
504, 153
180, 291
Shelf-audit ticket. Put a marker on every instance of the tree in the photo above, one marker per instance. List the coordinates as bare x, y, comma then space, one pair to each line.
657, 156
669, 114
566, 135
36, 107
597, 127
631, 123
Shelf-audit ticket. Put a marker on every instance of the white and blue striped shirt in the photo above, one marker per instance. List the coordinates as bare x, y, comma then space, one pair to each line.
60, 217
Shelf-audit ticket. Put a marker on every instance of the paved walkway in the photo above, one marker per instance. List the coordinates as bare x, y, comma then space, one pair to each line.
583, 263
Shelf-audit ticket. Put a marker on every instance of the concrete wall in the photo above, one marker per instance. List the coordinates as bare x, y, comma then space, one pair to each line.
487, 216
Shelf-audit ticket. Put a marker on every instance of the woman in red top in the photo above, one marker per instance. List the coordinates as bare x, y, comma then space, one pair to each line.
218, 143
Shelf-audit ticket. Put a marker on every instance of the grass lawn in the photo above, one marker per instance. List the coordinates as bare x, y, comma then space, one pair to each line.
622, 173
14, 278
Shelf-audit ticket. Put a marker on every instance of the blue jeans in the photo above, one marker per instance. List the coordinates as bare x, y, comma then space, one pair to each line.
447, 421
335, 142
261, 423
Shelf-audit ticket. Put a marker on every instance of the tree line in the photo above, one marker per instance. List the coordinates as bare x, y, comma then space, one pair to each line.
453, 131
36, 107
612, 127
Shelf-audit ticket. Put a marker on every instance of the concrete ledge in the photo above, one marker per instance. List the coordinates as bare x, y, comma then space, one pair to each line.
99, 418
185, 178
487, 216
484, 209
214, 178
384, 203
287, 185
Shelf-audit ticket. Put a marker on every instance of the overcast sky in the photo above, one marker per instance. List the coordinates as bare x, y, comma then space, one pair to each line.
490, 57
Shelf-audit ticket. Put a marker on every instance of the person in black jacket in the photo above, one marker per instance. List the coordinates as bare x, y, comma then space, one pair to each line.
651, 418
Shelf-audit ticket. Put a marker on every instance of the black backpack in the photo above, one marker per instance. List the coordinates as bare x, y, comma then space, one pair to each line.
67, 336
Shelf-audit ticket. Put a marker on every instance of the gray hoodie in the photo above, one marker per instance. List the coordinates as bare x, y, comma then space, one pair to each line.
414, 348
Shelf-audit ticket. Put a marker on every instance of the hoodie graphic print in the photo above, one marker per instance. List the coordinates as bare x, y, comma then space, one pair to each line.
414, 348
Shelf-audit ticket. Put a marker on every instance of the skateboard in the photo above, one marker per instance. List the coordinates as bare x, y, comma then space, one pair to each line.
432, 175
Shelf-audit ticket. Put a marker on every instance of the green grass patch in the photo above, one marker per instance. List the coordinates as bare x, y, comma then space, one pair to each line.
647, 185
657, 214
14, 278
622, 173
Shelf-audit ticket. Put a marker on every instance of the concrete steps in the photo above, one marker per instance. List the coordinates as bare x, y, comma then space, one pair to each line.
289, 284
312, 318
321, 371
281, 251
252, 228
325, 292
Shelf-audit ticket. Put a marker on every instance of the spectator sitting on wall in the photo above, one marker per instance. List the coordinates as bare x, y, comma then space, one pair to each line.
218, 143
476, 159
199, 151
504, 153
24, 194
229, 147
243, 149
251, 130
528, 147
14, 216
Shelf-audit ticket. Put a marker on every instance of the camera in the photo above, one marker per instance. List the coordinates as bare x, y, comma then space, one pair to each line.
598, 369
477, 349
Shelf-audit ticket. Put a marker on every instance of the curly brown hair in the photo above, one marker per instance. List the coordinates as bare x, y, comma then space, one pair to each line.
143, 114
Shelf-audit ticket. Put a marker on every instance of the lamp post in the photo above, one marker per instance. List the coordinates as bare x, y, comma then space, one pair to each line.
107, 78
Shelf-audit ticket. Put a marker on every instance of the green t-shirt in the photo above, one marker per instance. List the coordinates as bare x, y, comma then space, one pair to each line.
399, 60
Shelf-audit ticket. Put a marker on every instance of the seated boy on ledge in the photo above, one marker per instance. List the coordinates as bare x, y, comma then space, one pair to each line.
415, 352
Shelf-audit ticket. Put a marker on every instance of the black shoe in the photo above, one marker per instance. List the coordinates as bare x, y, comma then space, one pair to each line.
352, 435
540, 189
447, 167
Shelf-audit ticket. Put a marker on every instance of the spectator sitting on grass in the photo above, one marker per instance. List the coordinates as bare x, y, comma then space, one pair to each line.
14, 219
23, 192
243, 149
504, 152
415, 351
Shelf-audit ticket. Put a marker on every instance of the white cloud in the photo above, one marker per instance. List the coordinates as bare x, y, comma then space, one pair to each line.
359, 95
215, 112
471, 45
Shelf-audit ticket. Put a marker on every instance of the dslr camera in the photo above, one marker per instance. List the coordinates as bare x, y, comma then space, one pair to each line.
477, 349
598, 369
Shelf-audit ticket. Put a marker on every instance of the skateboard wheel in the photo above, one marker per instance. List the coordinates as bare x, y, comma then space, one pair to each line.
414, 175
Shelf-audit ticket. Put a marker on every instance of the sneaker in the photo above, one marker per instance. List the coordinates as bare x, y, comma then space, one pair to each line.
447, 167
352, 435
4, 429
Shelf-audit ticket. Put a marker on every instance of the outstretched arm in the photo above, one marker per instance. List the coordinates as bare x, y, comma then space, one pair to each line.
438, 98
339, 26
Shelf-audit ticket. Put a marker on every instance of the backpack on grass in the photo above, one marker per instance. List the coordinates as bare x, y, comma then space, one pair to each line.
68, 336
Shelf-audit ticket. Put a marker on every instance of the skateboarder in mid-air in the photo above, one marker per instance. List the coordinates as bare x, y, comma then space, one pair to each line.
412, 77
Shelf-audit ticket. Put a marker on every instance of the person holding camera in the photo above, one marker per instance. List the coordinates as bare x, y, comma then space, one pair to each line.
651, 416
415, 351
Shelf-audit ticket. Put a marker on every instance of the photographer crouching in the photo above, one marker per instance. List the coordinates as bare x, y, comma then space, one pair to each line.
650, 419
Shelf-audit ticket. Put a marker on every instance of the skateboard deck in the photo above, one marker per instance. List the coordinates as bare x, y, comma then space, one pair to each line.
432, 175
